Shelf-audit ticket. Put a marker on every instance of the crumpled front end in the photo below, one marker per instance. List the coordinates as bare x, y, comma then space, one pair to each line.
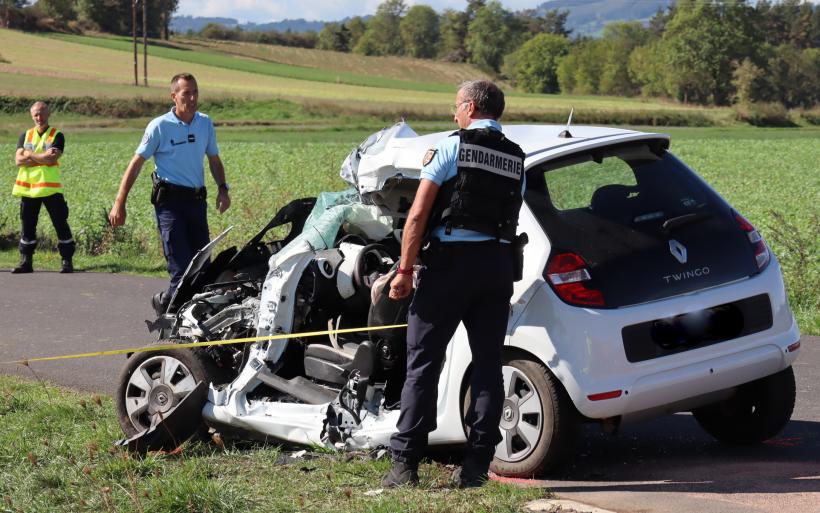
385, 168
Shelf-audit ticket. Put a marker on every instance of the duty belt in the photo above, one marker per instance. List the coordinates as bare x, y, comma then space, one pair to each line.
166, 191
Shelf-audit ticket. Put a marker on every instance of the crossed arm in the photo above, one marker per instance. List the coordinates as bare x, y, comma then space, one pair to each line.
25, 157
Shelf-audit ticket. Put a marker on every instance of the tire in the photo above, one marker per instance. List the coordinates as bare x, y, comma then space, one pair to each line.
142, 396
758, 411
540, 437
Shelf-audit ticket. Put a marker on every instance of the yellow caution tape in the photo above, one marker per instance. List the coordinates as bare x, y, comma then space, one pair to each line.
163, 347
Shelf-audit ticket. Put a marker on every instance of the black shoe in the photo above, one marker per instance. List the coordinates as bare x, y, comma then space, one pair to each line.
402, 474
25, 266
473, 473
159, 302
67, 267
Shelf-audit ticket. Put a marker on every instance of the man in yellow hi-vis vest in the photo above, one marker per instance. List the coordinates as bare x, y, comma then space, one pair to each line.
38, 183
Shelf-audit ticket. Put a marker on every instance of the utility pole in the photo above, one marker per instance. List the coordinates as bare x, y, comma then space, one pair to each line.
145, 42
134, 34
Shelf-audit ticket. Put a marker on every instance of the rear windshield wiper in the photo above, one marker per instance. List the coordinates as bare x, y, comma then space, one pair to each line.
673, 223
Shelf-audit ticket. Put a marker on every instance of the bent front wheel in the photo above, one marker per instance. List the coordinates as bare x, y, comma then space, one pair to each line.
151, 384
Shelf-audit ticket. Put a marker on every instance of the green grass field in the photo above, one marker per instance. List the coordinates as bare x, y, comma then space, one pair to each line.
56, 455
256, 62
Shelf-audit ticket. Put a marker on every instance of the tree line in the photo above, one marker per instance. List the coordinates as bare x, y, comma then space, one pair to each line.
709, 52
113, 16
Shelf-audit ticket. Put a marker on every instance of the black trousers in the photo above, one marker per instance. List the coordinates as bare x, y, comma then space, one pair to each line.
468, 282
183, 228
58, 211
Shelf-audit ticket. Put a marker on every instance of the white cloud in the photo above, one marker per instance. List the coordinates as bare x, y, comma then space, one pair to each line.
263, 11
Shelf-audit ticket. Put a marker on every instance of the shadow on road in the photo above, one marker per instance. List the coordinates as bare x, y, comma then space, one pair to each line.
672, 454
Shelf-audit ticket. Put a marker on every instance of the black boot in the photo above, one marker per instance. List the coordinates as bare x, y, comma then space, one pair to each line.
67, 266
402, 474
473, 473
25, 265
160, 301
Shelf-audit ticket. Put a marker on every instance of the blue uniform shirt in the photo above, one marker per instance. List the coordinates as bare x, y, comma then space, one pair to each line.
444, 166
178, 148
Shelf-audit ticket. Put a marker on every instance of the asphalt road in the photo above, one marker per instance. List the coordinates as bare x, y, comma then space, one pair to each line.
48, 314
666, 465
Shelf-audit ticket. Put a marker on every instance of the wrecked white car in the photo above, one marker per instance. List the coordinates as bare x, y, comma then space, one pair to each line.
643, 293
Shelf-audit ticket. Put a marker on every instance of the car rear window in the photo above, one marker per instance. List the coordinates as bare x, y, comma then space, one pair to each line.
627, 211
632, 185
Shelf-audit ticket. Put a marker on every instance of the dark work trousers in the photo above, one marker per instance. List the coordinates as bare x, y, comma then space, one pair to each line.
469, 282
58, 211
183, 228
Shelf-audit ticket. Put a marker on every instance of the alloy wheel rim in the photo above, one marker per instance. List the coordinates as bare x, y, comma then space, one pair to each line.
154, 388
522, 417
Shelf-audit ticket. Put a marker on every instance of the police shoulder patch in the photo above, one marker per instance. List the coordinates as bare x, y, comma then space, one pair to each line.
428, 156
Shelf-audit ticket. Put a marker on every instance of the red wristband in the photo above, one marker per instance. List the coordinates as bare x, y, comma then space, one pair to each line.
405, 272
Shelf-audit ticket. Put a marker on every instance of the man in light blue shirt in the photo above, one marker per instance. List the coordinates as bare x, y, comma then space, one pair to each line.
178, 141
470, 193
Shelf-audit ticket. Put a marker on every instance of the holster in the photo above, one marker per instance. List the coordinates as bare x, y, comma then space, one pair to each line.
518, 244
436, 255
155, 188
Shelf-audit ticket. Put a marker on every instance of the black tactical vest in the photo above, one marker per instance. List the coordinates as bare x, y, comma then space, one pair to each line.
485, 195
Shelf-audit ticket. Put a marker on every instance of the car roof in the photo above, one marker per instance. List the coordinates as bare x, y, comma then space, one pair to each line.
539, 142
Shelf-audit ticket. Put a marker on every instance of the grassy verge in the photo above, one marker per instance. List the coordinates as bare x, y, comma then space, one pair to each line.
395, 67
56, 455
256, 63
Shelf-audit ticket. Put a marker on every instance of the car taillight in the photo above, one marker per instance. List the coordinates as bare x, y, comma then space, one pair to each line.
569, 276
761, 251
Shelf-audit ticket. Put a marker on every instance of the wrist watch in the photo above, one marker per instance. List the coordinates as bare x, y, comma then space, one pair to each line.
224, 185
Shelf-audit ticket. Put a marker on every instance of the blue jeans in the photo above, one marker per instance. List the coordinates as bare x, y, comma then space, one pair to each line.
183, 228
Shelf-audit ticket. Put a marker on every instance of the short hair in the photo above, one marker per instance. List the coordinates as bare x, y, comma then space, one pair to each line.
181, 76
487, 97
39, 102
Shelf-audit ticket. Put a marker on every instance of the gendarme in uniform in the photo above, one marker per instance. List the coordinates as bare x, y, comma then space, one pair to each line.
178, 142
469, 195
178, 149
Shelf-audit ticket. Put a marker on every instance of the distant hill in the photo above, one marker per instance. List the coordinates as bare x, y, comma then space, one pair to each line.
588, 17
182, 24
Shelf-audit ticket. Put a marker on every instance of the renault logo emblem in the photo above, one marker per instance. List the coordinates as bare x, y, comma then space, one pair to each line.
678, 251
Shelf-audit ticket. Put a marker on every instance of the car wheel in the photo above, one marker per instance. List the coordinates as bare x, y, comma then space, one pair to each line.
538, 424
152, 383
757, 412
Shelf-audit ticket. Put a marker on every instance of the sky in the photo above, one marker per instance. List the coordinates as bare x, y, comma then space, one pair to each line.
263, 11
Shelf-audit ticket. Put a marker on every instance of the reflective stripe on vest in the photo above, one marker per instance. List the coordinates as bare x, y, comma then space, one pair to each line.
42, 180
